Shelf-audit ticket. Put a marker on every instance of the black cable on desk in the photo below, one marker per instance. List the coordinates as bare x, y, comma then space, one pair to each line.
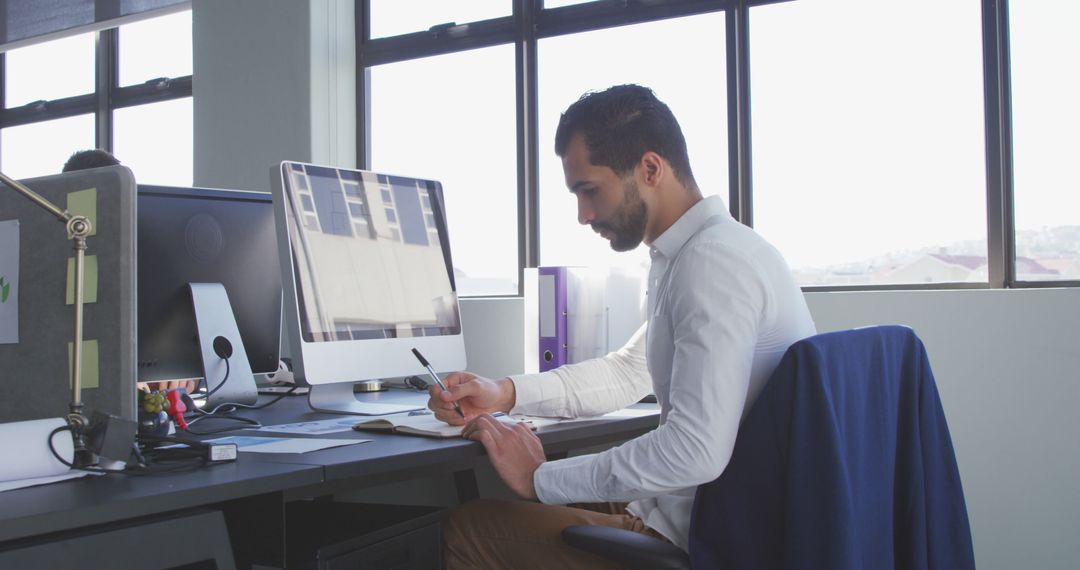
69, 464
190, 462
221, 410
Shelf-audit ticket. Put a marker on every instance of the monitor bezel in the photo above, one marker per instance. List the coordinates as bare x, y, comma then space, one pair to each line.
349, 361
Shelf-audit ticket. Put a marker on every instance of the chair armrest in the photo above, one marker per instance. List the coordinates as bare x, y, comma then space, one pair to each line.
628, 548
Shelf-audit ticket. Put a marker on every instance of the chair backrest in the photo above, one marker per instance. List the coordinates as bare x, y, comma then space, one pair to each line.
844, 461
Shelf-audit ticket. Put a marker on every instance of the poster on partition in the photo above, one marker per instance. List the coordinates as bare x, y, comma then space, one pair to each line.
9, 282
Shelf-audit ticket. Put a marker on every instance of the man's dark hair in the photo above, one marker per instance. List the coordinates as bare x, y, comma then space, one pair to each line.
94, 158
622, 123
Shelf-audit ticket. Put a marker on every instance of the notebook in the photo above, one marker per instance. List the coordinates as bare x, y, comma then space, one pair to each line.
424, 424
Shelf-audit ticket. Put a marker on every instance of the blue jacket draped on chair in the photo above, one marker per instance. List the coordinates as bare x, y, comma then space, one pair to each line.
845, 461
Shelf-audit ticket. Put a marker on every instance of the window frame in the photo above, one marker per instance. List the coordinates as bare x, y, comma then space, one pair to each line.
107, 97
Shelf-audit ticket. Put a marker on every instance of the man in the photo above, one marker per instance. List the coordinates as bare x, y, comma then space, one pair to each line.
723, 308
91, 158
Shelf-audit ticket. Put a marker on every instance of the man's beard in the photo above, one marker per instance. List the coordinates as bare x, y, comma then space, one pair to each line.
627, 224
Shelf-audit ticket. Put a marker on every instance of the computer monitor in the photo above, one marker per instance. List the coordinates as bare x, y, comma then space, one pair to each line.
207, 236
367, 277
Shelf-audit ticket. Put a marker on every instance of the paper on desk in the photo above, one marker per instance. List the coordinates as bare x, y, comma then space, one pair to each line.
33, 482
317, 427
539, 421
28, 459
284, 444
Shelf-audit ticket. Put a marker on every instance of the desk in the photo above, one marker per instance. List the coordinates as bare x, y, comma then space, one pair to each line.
262, 483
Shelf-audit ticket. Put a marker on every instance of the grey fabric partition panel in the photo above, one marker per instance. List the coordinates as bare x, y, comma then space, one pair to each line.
34, 373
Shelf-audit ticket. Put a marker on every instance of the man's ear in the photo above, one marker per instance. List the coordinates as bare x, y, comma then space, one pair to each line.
652, 168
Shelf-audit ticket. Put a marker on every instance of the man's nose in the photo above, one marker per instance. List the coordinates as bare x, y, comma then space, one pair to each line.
585, 214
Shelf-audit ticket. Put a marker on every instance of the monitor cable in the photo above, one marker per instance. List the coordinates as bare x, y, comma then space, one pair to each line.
223, 348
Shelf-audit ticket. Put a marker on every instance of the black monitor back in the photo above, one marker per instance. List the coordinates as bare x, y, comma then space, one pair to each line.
203, 235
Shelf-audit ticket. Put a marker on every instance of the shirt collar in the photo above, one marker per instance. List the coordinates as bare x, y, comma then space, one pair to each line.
671, 241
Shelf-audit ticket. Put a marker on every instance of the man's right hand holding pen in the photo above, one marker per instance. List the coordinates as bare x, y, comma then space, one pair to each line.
515, 451
474, 394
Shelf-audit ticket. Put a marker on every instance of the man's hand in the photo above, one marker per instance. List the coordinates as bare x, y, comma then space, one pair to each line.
515, 452
475, 394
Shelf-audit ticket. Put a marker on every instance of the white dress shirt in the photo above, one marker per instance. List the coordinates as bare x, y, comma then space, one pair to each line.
723, 308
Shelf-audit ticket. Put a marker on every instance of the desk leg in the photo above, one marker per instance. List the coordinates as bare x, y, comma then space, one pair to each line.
467, 487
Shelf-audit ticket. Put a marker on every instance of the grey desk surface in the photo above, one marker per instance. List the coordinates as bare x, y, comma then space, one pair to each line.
98, 499
402, 455
102, 499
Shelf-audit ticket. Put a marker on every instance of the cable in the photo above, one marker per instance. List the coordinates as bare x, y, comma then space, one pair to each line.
141, 469
207, 395
69, 464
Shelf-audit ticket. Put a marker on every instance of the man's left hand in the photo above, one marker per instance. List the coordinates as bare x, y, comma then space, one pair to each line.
515, 452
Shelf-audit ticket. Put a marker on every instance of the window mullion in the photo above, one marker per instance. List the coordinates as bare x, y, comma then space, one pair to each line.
106, 83
1000, 243
738, 82
528, 153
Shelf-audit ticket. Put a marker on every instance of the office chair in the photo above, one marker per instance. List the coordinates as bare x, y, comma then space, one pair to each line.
844, 461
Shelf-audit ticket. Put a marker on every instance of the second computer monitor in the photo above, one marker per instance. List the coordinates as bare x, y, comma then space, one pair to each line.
367, 277
204, 235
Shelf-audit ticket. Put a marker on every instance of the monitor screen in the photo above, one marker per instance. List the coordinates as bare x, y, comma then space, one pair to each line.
202, 235
367, 274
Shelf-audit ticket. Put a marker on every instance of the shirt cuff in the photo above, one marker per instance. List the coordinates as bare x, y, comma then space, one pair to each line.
531, 391
566, 481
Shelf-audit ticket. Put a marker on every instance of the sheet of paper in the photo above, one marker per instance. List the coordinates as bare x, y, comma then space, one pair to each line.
23, 483
319, 427
624, 413
284, 444
9, 282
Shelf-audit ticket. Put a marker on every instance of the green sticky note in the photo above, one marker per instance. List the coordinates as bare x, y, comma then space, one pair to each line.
89, 364
84, 203
90, 280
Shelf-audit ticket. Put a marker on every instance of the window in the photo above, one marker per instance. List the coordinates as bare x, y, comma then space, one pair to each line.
868, 140
155, 140
147, 126
870, 136
159, 47
616, 56
1045, 147
438, 118
49, 71
40, 149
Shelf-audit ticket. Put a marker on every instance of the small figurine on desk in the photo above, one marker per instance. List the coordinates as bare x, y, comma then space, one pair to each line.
153, 418
177, 407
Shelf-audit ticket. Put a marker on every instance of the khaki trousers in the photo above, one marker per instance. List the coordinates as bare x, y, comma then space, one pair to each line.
518, 535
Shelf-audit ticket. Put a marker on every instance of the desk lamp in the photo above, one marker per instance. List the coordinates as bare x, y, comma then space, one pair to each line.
78, 227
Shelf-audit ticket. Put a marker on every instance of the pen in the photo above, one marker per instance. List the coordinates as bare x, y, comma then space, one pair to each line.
435, 377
